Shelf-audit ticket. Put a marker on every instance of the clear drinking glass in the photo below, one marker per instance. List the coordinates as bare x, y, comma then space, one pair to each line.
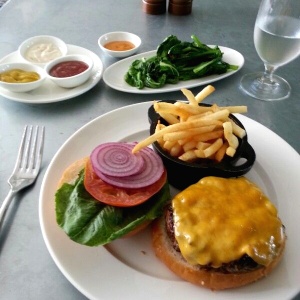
277, 42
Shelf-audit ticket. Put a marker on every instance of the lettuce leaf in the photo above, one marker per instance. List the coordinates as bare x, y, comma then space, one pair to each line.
89, 222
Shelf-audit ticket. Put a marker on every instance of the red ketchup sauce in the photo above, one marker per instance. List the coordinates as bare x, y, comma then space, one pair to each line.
68, 68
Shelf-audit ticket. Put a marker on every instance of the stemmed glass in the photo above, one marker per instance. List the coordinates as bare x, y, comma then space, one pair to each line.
277, 42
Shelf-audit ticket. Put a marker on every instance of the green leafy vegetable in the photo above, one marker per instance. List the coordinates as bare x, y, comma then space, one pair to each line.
89, 222
175, 61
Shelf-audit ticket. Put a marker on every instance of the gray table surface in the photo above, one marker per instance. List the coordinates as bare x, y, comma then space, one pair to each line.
26, 268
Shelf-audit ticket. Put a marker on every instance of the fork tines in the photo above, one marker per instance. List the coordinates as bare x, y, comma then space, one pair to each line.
31, 149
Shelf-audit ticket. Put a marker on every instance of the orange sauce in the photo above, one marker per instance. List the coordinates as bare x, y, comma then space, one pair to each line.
119, 46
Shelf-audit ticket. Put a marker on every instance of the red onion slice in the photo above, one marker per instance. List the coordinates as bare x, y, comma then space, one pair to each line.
116, 159
145, 174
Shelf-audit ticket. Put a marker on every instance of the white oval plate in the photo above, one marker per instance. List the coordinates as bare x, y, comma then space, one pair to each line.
49, 92
114, 75
128, 268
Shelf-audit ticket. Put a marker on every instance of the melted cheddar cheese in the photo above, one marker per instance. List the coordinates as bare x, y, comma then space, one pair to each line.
218, 220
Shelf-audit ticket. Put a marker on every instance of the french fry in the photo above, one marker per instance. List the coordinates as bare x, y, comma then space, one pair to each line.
168, 108
237, 130
204, 93
230, 151
186, 134
168, 145
202, 145
213, 148
229, 136
199, 153
158, 127
199, 116
183, 141
190, 109
189, 145
188, 156
171, 119
221, 152
190, 96
207, 136
236, 109
218, 115
215, 108
176, 150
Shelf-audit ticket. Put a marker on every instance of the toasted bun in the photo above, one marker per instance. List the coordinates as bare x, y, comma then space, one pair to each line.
210, 279
71, 173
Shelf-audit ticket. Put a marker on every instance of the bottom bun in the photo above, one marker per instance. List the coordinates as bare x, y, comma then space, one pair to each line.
213, 280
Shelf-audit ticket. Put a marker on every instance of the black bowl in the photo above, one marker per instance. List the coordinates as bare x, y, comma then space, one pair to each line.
182, 174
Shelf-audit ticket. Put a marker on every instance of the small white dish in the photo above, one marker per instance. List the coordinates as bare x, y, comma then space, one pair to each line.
21, 87
70, 81
40, 50
119, 36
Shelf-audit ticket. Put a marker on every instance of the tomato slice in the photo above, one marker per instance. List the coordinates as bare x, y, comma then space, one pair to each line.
116, 196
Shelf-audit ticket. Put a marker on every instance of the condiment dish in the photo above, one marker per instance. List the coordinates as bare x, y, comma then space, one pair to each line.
70, 71
21, 87
182, 174
121, 39
42, 49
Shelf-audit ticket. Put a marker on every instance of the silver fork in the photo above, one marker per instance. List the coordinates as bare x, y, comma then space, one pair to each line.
27, 165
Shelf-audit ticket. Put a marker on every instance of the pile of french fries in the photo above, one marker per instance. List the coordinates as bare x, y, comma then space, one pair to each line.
195, 131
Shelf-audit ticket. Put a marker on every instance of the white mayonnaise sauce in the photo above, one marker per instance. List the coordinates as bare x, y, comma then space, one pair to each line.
42, 53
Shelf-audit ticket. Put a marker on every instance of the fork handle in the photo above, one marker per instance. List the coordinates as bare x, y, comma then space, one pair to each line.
5, 205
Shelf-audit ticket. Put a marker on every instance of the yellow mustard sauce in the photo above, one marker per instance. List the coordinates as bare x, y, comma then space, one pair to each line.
119, 46
18, 76
219, 220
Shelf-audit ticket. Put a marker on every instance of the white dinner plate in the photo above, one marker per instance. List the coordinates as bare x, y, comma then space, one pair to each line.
49, 92
114, 75
128, 268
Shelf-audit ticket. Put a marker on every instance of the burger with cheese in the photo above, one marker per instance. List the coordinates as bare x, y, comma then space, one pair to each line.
220, 233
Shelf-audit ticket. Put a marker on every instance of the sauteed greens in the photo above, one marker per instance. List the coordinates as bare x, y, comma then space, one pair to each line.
175, 61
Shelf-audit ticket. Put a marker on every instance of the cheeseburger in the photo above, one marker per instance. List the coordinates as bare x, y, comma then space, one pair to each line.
220, 233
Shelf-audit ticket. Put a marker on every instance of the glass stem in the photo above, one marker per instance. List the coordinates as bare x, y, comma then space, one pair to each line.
268, 75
